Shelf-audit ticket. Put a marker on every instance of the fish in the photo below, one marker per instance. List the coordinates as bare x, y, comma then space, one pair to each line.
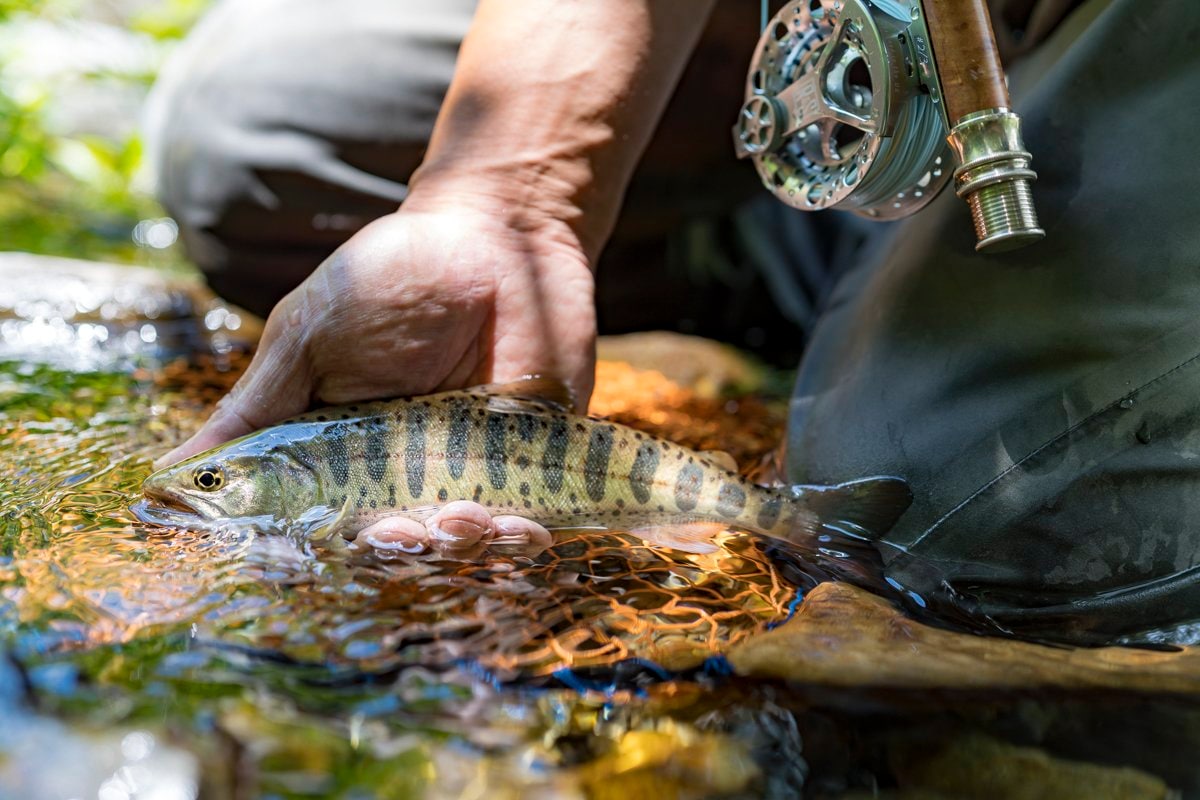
517, 450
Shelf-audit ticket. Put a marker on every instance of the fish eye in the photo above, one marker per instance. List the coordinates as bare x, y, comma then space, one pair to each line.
209, 478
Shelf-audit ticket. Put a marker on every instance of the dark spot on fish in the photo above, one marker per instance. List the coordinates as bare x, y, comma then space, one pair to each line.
641, 474
679, 456
362, 491
660, 508
523, 461
443, 494
494, 454
524, 489
322, 418
372, 504
573, 498
554, 457
731, 499
478, 493
528, 504
426, 403
526, 427
575, 511
376, 455
391, 495
768, 512
354, 408
687, 487
579, 427
338, 455
414, 449
595, 466
620, 503
637, 436
456, 441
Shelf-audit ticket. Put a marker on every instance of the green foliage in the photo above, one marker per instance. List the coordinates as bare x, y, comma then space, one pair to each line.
166, 21
66, 193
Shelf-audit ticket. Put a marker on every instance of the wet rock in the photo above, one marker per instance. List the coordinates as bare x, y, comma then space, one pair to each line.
980, 768
844, 636
674, 761
87, 315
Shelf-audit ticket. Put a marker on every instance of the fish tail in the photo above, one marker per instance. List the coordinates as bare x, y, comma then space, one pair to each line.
834, 531
861, 509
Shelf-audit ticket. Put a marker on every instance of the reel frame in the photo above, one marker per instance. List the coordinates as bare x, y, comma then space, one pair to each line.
844, 108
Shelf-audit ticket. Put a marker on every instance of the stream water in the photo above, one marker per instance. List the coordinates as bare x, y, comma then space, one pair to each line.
141, 664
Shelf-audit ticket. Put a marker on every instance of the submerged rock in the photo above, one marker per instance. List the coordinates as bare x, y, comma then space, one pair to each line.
844, 636
980, 768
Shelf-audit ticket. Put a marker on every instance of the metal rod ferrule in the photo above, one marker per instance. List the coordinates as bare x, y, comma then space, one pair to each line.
995, 179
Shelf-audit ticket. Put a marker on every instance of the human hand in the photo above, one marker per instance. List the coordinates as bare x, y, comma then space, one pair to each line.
430, 298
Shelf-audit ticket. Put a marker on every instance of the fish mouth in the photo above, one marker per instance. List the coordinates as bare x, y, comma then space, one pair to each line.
168, 500
164, 508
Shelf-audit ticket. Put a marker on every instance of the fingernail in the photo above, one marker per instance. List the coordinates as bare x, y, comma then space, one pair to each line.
400, 542
458, 532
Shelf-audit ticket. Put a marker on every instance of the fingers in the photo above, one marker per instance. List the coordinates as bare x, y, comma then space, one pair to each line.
396, 534
459, 527
545, 324
461, 530
276, 385
519, 536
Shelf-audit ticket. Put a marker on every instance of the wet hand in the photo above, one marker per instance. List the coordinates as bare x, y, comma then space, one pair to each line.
424, 300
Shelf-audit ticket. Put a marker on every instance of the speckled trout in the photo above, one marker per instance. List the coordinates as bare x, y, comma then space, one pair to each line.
512, 450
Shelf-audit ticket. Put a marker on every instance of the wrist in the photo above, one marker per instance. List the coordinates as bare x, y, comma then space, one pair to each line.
534, 209
531, 198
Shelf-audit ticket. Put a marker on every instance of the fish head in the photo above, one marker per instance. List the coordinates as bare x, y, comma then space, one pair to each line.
228, 482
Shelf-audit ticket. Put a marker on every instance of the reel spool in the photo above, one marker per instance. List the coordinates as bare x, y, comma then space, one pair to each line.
844, 110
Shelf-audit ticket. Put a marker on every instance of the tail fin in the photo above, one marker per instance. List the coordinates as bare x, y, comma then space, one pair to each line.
836, 539
862, 509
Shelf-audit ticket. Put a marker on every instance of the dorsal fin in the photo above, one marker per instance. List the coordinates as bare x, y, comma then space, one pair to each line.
721, 458
531, 393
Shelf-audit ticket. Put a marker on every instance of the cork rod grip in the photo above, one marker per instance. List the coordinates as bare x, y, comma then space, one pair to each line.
968, 60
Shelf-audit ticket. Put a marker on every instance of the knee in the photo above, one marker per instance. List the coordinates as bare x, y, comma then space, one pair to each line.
273, 139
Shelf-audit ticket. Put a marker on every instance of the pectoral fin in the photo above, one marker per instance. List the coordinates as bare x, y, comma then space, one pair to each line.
689, 536
721, 459
322, 522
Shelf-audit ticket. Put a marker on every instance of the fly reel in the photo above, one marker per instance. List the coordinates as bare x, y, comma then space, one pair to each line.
844, 110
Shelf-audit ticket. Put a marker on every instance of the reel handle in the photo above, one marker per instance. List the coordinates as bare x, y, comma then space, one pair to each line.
994, 174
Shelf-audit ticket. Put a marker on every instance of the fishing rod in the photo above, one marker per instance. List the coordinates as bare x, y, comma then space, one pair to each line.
873, 106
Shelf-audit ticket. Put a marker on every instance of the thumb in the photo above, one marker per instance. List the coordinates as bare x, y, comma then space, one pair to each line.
276, 385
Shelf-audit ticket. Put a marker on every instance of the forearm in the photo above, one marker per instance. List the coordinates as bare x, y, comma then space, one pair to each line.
551, 105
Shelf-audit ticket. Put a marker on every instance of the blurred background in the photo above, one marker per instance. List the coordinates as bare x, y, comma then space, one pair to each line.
73, 75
